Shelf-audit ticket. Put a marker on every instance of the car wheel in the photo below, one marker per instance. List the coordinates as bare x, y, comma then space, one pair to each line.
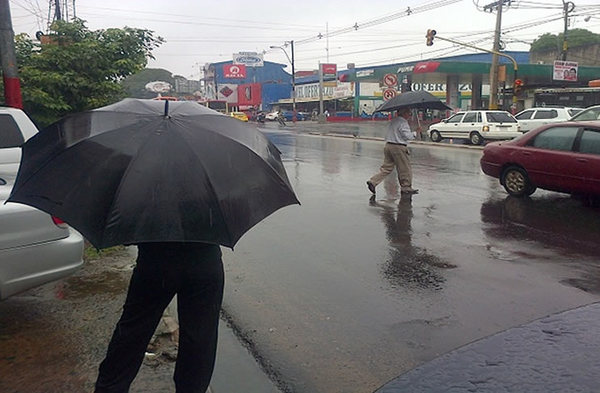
435, 136
516, 182
475, 138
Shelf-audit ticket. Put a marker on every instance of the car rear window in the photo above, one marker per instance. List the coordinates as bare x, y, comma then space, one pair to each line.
590, 142
500, 117
546, 114
10, 134
556, 138
524, 115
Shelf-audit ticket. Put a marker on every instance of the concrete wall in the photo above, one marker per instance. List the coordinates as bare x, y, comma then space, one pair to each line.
585, 55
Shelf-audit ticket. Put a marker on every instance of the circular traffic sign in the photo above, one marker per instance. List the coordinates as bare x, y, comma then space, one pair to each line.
388, 94
390, 80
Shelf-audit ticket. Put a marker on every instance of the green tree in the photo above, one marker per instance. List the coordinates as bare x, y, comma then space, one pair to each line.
575, 38
76, 69
135, 85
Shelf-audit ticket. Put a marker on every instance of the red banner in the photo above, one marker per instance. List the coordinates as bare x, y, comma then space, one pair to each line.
249, 94
234, 71
425, 67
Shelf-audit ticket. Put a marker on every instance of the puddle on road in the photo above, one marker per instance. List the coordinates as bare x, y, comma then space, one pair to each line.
414, 268
106, 282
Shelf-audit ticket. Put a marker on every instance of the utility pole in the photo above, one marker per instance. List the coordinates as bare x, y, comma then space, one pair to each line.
568, 7
494, 68
294, 115
12, 84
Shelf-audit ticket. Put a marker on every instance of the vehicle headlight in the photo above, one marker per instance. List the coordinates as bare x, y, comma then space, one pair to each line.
485, 128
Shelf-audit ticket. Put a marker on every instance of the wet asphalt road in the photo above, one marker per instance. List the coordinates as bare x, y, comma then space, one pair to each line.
345, 292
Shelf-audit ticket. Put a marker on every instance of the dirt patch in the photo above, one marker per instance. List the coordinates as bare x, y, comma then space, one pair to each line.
53, 338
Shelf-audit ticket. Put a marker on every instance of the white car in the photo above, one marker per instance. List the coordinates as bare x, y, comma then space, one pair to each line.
35, 248
534, 117
272, 116
476, 126
589, 113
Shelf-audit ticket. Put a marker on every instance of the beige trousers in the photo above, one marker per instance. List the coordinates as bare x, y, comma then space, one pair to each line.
395, 156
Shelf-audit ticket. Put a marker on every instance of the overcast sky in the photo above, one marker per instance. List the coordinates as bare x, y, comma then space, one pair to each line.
364, 32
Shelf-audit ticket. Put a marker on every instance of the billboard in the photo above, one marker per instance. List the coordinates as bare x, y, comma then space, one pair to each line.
249, 94
250, 59
234, 71
329, 70
565, 71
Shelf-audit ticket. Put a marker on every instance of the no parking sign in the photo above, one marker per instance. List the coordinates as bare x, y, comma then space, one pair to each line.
390, 80
388, 94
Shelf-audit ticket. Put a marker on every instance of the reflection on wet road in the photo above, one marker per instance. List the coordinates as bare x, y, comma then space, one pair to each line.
344, 293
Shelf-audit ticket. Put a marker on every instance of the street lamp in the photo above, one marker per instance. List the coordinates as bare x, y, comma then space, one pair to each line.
293, 76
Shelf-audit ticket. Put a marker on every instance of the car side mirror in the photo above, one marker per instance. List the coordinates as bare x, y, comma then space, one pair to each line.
445, 120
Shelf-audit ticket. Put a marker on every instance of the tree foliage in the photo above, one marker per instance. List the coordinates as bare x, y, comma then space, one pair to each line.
76, 69
135, 85
575, 37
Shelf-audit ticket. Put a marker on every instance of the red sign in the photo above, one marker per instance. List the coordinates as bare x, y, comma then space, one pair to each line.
329, 69
388, 94
234, 71
249, 94
390, 80
425, 67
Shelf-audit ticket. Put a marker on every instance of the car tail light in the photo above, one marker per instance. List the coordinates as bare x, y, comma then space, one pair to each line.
58, 222
485, 128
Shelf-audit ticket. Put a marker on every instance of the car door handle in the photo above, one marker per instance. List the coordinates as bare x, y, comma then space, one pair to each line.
582, 160
526, 153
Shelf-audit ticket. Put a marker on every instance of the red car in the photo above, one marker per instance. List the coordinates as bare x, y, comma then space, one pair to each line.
563, 157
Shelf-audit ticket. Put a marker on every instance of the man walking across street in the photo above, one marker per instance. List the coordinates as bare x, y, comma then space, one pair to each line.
396, 154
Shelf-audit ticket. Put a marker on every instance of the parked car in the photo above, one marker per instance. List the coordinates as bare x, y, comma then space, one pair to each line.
288, 116
589, 113
239, 115
35, 248
476, 126
534, 117
563, 157
272, 116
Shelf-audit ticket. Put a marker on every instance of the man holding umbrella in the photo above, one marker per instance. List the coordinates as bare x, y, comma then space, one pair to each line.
396, 154
174, 178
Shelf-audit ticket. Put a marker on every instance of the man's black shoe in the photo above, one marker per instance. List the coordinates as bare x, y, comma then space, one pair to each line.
371, 186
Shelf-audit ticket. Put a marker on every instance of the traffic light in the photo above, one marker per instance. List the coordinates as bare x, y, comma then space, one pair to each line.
430, 34
517, 86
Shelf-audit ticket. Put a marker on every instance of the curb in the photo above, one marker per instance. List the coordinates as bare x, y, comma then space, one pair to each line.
378, 139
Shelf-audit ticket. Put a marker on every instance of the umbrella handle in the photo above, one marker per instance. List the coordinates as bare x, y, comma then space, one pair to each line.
166, 108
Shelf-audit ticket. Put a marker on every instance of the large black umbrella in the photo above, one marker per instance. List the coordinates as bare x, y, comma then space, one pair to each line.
145, 170
415, 100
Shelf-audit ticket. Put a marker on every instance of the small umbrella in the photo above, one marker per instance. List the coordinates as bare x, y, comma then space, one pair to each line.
413, 100
144, 171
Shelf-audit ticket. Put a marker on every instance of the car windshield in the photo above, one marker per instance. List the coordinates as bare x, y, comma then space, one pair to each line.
500, 117
592, 113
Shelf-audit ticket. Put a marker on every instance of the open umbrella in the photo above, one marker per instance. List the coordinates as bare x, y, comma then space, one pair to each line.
144, 171
415, 100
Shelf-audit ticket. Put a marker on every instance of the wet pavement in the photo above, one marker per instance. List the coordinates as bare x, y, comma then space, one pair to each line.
345, 292
559, 353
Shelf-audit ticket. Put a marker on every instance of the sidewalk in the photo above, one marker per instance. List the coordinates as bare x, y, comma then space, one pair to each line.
558, 353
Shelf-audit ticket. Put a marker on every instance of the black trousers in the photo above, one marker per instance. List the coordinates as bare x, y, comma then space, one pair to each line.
193, 271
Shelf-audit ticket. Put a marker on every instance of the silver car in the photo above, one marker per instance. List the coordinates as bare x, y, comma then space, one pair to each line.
35, 248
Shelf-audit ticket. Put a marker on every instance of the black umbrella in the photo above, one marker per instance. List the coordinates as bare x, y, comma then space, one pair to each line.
414, 100
143, 171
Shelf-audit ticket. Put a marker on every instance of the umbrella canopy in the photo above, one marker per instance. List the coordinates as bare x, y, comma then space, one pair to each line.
144, 171
414, 100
